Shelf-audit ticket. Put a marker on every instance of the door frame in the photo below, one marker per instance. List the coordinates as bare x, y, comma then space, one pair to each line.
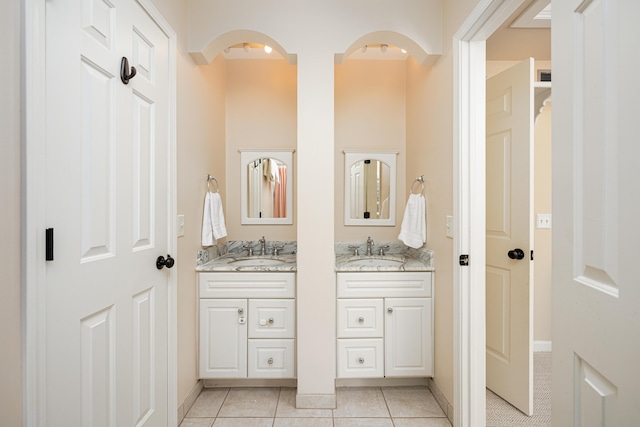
33, 141
469, 206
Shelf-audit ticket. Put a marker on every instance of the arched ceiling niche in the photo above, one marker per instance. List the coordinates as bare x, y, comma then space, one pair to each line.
391, 38
217, 45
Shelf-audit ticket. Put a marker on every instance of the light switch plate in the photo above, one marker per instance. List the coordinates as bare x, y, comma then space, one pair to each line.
543, 221
180, 225
449, 225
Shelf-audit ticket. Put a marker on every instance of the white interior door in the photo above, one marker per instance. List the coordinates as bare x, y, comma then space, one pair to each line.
596, 204
107, 198
509, 238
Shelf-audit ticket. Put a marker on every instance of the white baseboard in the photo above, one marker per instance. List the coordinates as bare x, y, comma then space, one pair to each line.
542, 346
189, 401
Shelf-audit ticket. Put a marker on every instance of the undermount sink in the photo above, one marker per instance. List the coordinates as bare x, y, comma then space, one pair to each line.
257, 262
375, 262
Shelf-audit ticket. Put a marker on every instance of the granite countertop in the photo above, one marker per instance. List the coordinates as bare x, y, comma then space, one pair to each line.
397, 258
243, 263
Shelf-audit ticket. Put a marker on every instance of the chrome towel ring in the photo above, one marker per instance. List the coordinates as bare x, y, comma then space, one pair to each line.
419, 179
209, 179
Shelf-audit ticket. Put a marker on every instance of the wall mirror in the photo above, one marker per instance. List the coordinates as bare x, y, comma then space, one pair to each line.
370, 188
266, 182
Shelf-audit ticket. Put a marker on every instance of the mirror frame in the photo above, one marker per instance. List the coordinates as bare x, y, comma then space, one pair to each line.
247, 155
385, 156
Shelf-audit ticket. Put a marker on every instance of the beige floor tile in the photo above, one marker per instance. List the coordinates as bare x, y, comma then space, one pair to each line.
411, 402
208, 403
354, 402
303, 422
243, 422
421, 422
250, 402
287, 407
363, 422
197, 422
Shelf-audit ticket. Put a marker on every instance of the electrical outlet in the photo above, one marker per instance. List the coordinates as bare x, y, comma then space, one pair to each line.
543, 221
180, 225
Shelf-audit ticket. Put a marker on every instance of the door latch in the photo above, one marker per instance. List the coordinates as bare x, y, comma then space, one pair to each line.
464, 260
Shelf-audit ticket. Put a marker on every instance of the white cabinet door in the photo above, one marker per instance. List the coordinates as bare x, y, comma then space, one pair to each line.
408, 326
223, 338
271, 358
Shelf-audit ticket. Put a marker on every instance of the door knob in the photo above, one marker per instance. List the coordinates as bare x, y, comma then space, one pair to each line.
516, 253
162, 262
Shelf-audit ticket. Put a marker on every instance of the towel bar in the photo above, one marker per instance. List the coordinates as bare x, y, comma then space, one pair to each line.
212, 178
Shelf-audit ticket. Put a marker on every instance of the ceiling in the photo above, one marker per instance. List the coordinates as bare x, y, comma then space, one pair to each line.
522, 35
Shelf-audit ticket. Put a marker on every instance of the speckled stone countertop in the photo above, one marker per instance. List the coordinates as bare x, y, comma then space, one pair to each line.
243, 263
398, 257
233, 257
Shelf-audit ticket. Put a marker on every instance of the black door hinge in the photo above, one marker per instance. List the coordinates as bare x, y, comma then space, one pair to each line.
531, 254
49, 244
464, 260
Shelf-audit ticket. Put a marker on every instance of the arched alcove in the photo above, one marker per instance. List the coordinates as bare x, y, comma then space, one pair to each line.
390, 38
218, 44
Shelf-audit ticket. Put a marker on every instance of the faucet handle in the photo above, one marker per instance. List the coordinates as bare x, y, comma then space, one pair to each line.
382, 249
356, 249
249, 249
277, 249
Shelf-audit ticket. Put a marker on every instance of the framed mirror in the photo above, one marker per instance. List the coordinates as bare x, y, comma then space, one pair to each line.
266, 183
370, 188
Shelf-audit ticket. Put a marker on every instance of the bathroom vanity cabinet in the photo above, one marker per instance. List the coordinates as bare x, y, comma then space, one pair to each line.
384, 324
246, 325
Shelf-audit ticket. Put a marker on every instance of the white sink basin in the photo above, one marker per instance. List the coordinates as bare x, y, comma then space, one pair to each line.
375, 262
257, 262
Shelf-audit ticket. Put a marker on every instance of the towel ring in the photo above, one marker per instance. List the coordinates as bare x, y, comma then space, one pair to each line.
212, 178
419, 179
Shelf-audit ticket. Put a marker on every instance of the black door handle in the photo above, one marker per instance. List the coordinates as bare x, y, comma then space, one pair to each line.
516, 253
162, 262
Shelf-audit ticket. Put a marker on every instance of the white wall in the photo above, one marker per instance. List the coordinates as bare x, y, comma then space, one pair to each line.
10, 219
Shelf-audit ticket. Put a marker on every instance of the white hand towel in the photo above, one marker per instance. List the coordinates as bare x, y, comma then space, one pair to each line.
413, 231
213, 226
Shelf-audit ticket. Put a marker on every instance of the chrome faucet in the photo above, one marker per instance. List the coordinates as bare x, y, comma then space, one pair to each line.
369, 246
263, 246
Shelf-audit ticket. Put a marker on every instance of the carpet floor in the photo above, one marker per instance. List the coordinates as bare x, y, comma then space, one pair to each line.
502, 414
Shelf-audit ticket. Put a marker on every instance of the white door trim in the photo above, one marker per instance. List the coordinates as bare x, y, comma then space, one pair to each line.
469, 201
34, 218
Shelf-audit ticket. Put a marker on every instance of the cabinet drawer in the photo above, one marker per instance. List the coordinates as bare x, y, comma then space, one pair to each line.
360, 358
271, 359
384, 284
247, 285
272, 318
360, 318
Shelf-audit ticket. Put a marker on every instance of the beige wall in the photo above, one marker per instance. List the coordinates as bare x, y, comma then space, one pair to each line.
542, 237
429, 153
370, 113
10, 218
261, 113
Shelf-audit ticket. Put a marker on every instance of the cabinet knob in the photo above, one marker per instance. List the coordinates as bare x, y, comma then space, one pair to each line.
271, 320
390, 310
361, 319
270, 361
240, 310
361, 360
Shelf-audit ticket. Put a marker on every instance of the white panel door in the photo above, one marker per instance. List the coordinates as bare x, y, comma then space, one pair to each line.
107, 198
408, 331
596, 207
509, 238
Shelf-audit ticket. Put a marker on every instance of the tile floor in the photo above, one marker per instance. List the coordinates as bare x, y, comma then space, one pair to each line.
356, 407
